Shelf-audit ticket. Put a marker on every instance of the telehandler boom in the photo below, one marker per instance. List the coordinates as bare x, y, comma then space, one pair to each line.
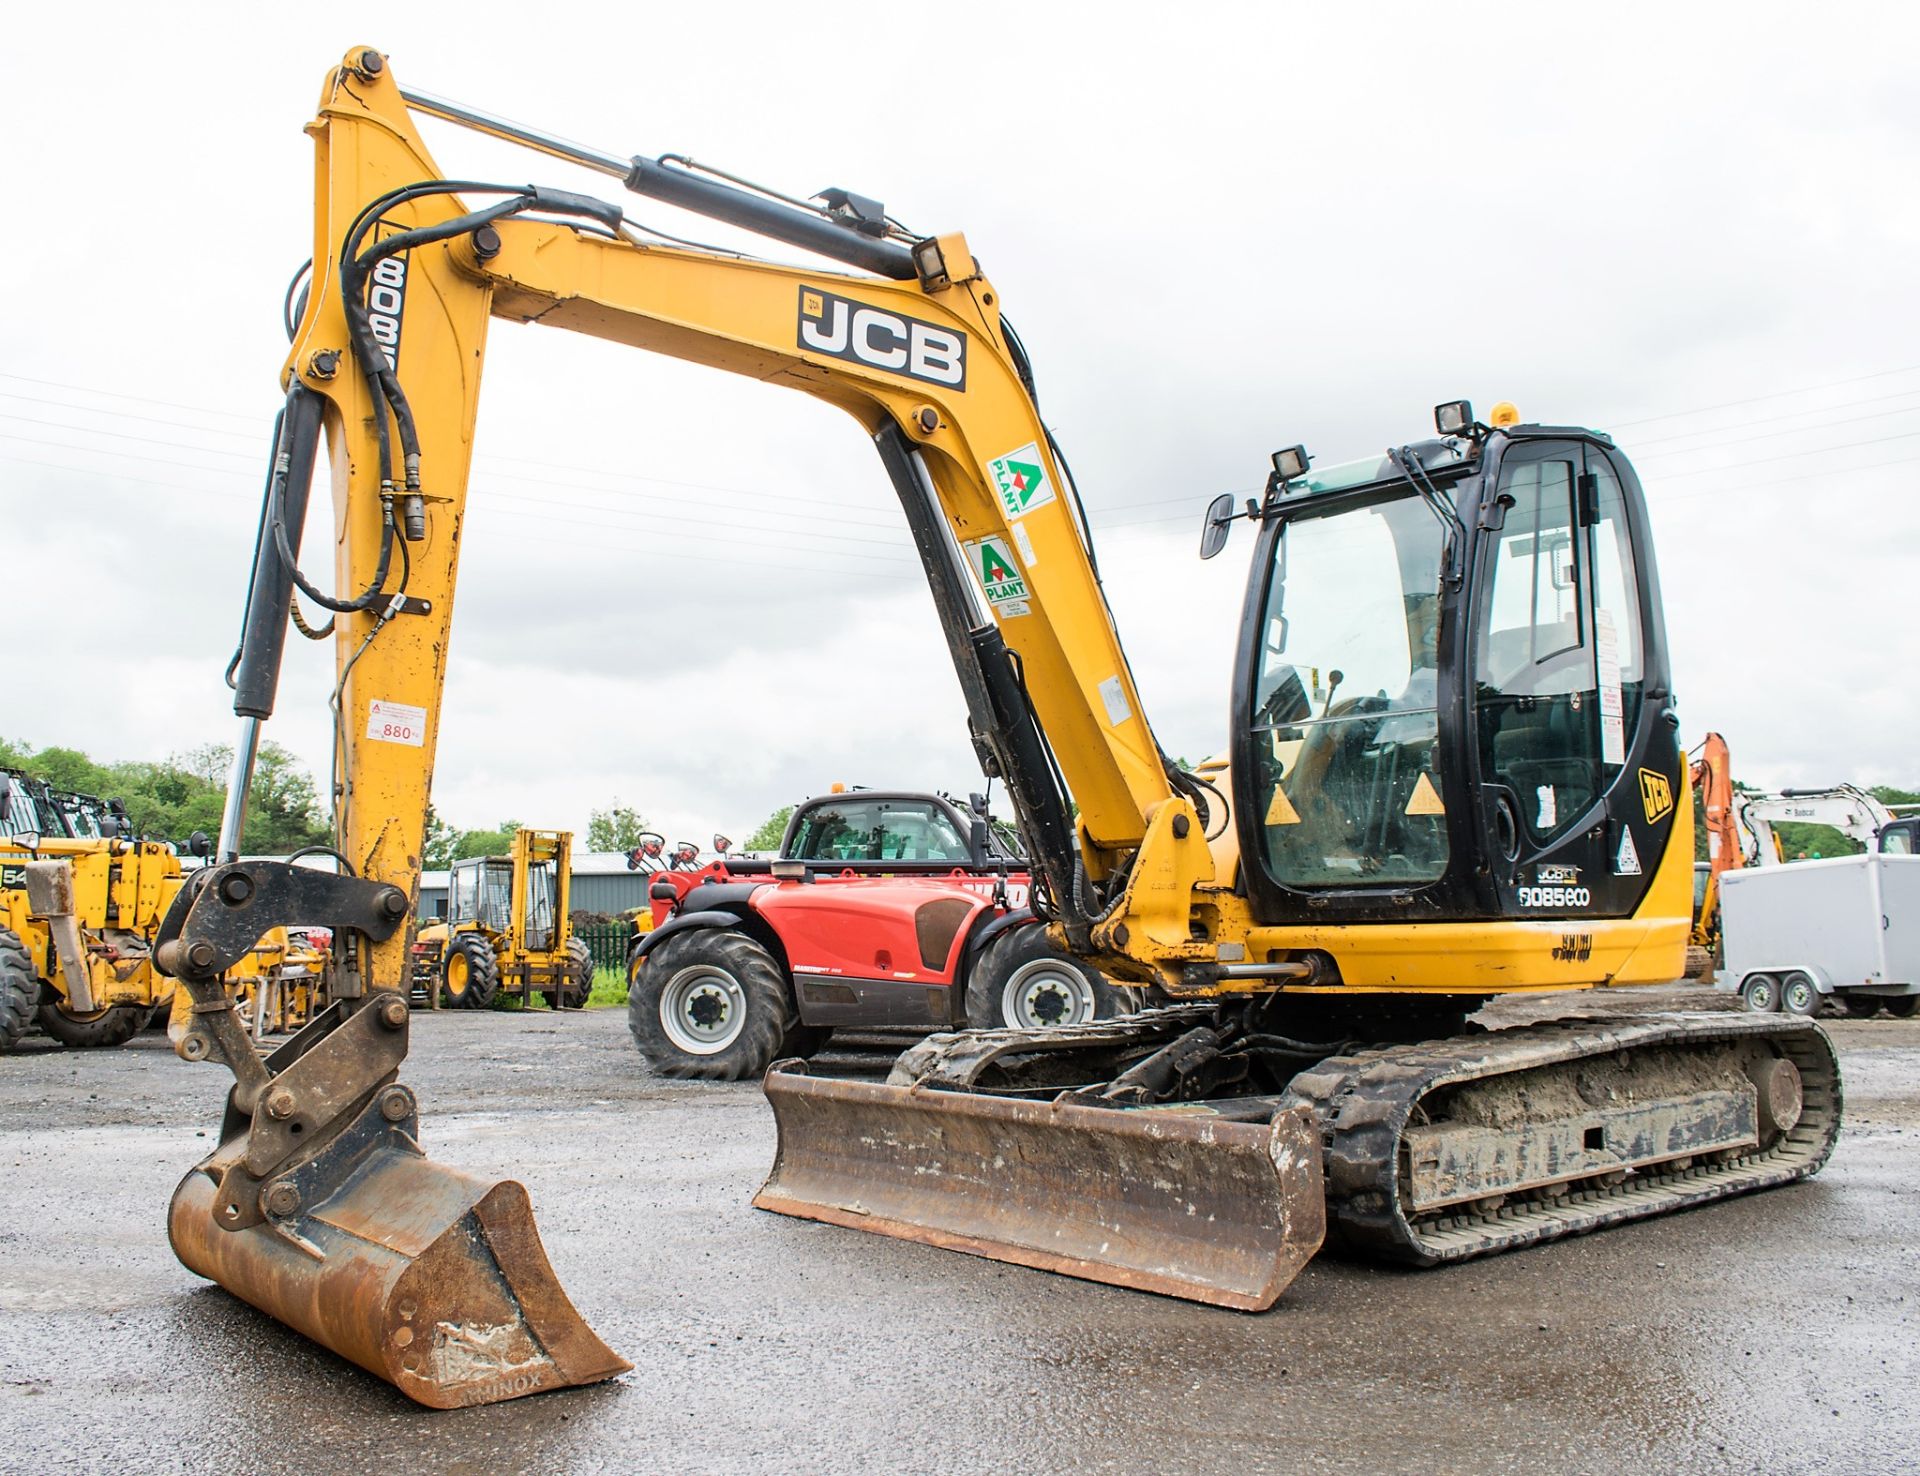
1453, 775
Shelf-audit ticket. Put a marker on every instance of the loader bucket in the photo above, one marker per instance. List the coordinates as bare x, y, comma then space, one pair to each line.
1175, 1201
428, 1277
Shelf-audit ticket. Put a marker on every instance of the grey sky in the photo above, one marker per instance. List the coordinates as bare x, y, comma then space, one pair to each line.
1220, 230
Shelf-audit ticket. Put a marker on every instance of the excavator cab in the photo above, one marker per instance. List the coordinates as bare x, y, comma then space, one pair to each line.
1452, 699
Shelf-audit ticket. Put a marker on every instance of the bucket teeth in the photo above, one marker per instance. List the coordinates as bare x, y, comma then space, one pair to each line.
1175, 1201
432, 1279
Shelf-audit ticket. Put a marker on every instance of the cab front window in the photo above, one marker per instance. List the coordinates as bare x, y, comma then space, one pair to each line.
1345, 708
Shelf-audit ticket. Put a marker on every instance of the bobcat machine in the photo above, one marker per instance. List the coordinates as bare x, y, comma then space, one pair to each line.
1454, 768
508, 926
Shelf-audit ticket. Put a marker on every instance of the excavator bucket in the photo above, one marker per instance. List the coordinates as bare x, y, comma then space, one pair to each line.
1170, 1200
431, 1278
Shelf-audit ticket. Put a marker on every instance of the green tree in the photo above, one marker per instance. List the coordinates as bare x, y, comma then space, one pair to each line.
437, 852
616, 828
187, 792
772, 831
498, 842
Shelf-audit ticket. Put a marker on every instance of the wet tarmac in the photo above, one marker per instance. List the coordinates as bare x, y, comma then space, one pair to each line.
1774, 1333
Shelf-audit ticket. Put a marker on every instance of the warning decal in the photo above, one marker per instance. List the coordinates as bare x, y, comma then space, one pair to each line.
1000, 577
1281, 811
1022, 480
1425, 799
1626, 861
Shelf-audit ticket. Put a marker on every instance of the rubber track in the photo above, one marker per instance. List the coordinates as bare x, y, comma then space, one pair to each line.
1364, 1101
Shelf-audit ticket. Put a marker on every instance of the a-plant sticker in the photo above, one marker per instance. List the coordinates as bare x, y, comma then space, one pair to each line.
999, 576
1022, 480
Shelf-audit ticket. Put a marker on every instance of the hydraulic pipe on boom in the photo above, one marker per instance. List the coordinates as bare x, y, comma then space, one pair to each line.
1393, 858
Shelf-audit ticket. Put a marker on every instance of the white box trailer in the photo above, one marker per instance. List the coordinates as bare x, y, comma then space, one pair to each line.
1848, 926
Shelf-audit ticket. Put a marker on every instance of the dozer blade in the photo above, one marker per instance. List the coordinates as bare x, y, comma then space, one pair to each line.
1174, 1201
431, 1278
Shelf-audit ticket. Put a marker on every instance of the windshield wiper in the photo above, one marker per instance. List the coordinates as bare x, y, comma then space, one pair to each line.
1407, 462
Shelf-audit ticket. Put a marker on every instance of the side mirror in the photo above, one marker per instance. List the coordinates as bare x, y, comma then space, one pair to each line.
1219, 523
977, 842
199, 845
722, 844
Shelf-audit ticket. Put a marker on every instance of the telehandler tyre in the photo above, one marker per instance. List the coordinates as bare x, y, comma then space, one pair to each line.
572, 995
19, 990
469, 973
113, 1026
709, 1005
1023, 982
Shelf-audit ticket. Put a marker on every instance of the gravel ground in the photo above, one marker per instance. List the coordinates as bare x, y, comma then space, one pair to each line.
1775, 1332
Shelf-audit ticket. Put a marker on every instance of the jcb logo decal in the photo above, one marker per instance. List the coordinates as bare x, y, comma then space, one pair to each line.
1656, 795
881, 340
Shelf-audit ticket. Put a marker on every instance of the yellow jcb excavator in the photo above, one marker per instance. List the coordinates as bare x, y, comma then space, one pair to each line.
1454, 775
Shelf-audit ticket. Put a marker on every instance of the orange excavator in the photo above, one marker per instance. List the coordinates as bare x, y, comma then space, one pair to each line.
1453, 772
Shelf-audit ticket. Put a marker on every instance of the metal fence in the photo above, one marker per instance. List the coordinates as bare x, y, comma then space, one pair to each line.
607, 942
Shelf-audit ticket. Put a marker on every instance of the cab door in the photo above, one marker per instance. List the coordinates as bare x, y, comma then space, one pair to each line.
1571, 736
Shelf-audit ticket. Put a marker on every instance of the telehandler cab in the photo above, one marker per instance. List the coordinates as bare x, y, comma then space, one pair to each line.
1454, 763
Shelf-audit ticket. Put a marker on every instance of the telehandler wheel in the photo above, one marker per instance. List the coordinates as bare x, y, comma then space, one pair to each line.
113, 1026
1799, 995
469, 974
19, 990
572, 995
1023, 982
709, 1005
1901, 1006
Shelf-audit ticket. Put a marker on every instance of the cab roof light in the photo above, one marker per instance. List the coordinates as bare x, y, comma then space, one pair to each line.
1291, 464
1453, 417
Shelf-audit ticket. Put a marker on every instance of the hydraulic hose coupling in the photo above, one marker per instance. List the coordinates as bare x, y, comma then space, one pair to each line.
413, 507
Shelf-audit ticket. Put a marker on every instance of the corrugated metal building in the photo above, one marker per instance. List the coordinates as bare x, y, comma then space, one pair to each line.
601, 883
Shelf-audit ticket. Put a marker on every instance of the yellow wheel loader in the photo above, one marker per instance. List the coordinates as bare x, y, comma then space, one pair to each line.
1454, 774
79, 905
508, 927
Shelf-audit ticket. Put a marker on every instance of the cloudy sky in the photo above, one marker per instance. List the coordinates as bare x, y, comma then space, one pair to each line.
1220, 229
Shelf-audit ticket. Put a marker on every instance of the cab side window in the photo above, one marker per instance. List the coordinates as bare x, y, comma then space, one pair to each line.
1537, 695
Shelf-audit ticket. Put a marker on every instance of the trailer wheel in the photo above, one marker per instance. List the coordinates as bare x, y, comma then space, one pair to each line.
1862, 1006
113, 1026
469, 973
19, 990
572, 995
1901, 1006
1799, 995
1023, 982
709, 1005
1762, 993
